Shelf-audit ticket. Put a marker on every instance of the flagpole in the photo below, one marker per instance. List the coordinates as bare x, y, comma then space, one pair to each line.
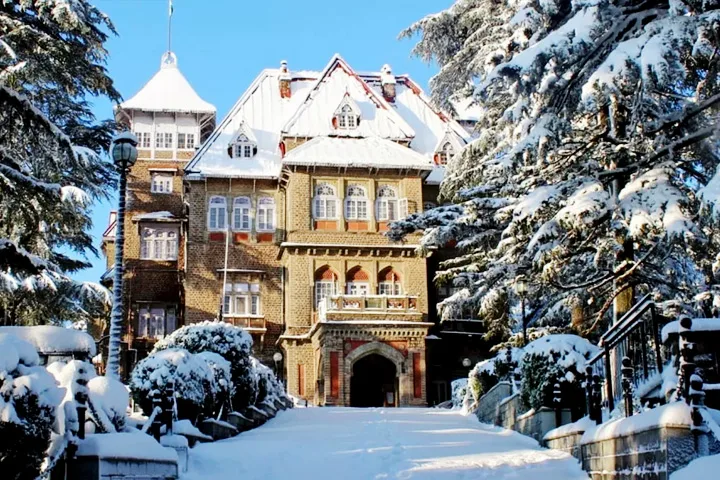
170, 13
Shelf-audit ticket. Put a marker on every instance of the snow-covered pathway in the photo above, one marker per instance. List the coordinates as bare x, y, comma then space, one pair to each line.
368, 444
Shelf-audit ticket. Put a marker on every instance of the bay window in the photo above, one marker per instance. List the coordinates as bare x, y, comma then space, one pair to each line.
159, 243
242, 299
156, 321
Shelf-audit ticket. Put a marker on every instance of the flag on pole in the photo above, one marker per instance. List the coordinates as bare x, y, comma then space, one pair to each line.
170, 7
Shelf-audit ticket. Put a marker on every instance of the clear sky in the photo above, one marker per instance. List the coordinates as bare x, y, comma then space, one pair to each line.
222, 45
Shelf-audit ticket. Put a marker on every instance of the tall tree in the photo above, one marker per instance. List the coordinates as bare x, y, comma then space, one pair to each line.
52, 59
593, 169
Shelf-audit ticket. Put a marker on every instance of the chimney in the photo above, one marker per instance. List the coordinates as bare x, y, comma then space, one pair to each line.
387, 80
285, 79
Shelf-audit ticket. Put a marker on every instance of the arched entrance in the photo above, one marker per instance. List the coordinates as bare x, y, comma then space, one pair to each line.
374, 382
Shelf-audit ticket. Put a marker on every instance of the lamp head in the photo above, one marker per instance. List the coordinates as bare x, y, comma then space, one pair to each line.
124, 149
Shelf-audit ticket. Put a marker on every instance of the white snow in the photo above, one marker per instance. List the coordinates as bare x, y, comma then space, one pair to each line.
572, 349
361, 152
186, 428
110, 395
161, 215
698, 325
580, 426
704, 468
672, 414
50, 339
131, 446
366, 444
168, 91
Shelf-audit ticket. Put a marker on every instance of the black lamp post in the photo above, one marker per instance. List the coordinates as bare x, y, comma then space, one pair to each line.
124, 154
278, 357
521, 289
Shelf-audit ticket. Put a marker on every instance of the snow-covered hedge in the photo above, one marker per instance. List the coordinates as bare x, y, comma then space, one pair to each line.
230, 342
29, 398
223, 379
269, 388
194, 382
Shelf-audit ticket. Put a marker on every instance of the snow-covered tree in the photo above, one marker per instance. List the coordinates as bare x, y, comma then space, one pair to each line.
52, 59
593, 171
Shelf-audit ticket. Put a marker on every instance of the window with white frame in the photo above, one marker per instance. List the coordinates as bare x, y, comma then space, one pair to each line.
356, 203
324, 289
242, 299
358, 288
386, 205
389, 283
156, 321
445, 153
266, 214
241, 214
325, 202
161, 182
164, 140
186, 141
243, 147
346, 118
217, 214
159, 243
143, 139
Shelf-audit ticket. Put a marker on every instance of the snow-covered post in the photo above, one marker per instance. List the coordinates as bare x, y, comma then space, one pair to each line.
627, 386
588, 391
596, 399
81, 398
156, 398
557, 402
169, 404
687, 358
124, 153
699, 428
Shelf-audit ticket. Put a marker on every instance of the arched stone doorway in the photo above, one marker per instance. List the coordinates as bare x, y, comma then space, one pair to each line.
374, 382
392, 361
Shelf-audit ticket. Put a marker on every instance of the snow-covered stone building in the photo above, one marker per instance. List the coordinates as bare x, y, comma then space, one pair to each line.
286, 206
170, 121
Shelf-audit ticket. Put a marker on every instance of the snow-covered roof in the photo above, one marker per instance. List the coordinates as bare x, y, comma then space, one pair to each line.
168, 91
161, 216
48, 339
308, 113
356, 152
698, 325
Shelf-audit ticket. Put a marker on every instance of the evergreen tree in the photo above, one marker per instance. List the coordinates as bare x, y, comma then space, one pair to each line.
593, 170
51, 60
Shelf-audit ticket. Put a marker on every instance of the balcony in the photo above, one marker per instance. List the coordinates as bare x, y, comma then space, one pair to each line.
250, 323
367, 308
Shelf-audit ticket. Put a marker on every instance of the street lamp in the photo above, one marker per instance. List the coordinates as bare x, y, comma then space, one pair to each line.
277, 357
521, 289
124, 154
467, 362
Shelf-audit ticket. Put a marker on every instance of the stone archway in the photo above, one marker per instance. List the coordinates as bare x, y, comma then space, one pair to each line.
390, 355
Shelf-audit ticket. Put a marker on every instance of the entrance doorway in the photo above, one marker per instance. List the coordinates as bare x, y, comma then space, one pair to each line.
374, 382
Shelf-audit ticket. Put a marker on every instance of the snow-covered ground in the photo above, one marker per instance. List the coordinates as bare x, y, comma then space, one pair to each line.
367, 444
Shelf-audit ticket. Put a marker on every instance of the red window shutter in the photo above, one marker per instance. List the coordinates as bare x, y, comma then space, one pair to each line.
335, 123
334, 374
417, 375
301, 379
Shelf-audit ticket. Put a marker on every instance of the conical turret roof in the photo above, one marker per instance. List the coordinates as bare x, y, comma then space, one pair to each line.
168, 91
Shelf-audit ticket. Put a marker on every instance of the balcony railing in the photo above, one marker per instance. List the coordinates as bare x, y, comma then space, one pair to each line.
366, 304
251, 323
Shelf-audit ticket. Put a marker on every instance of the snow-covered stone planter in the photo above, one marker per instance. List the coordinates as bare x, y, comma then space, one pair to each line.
180, 444
255, 414
279, 404
217, 429
536, 423
117, 456
488, 405
240, 422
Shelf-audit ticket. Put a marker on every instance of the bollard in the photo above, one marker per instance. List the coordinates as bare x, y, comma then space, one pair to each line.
687, 357
81, 398
597, 399
557, 402
627, 386
156, 399
168, 404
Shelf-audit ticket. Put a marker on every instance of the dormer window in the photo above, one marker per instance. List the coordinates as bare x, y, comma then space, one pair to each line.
347, 115
244, 145
444, 154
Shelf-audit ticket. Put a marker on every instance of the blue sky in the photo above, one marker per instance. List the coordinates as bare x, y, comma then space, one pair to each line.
222, 45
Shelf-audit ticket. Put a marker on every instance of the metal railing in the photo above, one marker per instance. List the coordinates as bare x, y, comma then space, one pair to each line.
635, 336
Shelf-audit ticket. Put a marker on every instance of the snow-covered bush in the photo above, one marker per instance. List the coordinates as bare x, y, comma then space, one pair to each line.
194, 383
29, 398
550, 359
459, 390
230, 342
222, 378
268, 385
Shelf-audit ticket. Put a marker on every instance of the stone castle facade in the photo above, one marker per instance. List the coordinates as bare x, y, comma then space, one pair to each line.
274, 221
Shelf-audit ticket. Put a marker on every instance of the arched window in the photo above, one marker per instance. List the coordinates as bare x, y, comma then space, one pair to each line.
386, 205
357, 282
445, 153
389, 282
266, 214
325, 284
217, 214
241, 214
356, 203
347, 118
325, 202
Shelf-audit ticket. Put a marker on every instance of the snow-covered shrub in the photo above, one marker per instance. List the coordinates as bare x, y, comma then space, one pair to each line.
29, 398
222, 378
109, 400
194, 383
550, 359
487, 373
230, 342
459, 389
268, 385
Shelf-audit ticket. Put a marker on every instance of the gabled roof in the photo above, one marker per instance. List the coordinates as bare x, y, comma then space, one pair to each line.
314, 117
168, 91
356, 152
244, 129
